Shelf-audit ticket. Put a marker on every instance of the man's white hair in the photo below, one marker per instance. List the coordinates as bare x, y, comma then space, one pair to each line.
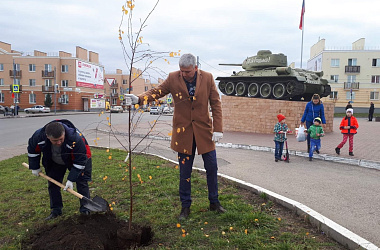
187, 60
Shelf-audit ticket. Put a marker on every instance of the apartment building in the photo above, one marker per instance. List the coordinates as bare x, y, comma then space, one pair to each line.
354, 74
74, 83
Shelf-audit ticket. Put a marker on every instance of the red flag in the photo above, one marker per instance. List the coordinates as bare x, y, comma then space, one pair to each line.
302, 13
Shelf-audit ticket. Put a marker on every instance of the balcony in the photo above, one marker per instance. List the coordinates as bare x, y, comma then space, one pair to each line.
47, 89
18, 73
114, 94
351, 85
47, 74
114, 86
352, 69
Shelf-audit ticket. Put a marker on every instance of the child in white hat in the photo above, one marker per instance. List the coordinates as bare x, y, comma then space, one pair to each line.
348, 126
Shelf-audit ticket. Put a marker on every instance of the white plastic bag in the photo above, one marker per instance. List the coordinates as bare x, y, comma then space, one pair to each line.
300, 134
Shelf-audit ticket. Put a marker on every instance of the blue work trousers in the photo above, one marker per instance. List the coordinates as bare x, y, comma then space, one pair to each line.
185, 169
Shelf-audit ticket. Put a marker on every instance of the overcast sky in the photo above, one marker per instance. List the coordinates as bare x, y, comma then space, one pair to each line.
218, 31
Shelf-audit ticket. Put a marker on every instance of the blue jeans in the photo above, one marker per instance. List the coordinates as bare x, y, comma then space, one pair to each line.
278, 149
315, 144
185, 169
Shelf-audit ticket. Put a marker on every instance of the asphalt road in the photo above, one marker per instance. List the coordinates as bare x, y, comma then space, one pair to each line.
346, 194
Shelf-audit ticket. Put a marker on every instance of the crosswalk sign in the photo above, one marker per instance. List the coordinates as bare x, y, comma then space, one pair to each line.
169, 100
16, 88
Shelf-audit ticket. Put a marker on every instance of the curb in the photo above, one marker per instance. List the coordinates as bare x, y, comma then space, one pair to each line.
333, 230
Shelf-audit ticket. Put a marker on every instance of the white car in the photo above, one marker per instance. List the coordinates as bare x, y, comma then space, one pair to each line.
116, 109
155, 110
168, 110
37, 109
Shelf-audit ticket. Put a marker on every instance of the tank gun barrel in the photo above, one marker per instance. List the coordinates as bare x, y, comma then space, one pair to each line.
230, 64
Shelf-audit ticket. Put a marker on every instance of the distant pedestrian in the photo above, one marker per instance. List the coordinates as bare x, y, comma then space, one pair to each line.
279, 136
315, 132
349, 105
313, 109
371, 111
348, 127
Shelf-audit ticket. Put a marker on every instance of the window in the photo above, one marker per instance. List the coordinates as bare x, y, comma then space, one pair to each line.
64, 83
376, 62
1, 97
49, 82
374, 95
32, 82
375, 79
1, 82
146, 88
348, 95
32, 68
114, 91
1, 67
334, 62
334, 78
352, 62
334, 95
32, 98
125, 81
114, 101
65, 68
64, 99
16, 81
48, 67
16, 67
351, 78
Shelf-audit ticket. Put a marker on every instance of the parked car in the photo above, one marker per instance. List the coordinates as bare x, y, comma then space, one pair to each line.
37, 109
117, 109
168, 110
155, 110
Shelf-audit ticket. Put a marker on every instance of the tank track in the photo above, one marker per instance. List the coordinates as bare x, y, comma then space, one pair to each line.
281, 89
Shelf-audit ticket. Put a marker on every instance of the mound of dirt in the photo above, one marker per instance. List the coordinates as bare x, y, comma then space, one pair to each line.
95, 231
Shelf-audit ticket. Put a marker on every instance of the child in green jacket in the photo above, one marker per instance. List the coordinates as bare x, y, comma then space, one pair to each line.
316, 132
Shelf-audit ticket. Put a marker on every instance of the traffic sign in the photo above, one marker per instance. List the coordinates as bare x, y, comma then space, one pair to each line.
169, 100
16, 88
121, 97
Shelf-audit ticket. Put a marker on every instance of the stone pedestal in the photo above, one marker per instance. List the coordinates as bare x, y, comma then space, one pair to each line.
255, 115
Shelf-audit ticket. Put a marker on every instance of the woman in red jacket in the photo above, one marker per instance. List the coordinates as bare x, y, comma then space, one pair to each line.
348, 126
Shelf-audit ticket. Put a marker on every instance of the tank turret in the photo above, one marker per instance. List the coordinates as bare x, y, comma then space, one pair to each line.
267, 75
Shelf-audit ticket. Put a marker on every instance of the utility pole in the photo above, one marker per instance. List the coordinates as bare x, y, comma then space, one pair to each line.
14, 82
55, 91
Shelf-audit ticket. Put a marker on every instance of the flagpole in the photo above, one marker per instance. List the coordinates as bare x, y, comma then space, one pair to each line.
303, 27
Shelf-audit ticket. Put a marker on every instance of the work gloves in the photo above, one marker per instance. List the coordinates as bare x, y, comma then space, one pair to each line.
69, 184
36, 172
216, 136
134, 98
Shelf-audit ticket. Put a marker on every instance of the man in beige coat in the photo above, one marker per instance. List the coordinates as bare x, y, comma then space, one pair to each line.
193, 90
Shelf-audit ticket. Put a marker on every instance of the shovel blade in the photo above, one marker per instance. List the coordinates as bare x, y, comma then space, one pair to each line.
97, 204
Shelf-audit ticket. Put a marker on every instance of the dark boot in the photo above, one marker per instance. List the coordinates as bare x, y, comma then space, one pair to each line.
337, 150
351, 153
217, 207
185, 211
53, 216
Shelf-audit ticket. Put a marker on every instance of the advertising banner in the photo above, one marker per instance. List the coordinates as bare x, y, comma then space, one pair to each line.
97, 103
89, 75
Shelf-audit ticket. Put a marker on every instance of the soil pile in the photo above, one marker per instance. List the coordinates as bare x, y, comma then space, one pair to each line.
95, 231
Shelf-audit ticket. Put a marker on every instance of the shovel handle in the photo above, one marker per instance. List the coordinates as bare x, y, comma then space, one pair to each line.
56, 182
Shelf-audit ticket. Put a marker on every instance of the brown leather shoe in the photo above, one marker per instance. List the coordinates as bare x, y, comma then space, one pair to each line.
217, 207
185, 211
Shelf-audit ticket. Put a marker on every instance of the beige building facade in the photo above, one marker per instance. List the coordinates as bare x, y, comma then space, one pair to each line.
354, 74
74, 83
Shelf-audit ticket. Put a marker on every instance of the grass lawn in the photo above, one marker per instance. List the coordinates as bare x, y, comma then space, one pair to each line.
250, 223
